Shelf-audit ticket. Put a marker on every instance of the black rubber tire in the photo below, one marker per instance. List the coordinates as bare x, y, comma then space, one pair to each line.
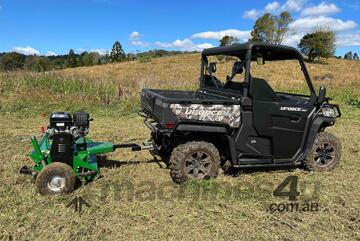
58, 169
324, 138
182, 152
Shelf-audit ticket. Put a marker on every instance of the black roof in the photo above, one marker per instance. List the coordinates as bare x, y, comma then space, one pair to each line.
268, 51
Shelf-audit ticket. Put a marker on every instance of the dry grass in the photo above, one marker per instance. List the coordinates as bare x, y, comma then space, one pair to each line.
142, 212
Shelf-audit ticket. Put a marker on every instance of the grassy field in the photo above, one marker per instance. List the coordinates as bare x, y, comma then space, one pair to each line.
136, 199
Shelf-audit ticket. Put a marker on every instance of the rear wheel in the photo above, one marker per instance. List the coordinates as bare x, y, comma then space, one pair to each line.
325, 153
55, 178
194, 160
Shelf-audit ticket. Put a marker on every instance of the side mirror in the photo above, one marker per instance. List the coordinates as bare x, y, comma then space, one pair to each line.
322, 95
260, 61
212, 67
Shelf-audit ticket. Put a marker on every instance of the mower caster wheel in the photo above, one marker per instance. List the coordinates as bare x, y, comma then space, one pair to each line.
55, 178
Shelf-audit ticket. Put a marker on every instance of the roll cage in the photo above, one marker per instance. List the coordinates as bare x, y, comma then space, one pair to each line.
251, 51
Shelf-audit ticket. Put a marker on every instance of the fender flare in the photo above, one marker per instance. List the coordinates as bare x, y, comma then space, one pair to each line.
222, 130
319, 123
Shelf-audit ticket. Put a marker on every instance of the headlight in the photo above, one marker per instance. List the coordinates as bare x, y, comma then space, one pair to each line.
328, 112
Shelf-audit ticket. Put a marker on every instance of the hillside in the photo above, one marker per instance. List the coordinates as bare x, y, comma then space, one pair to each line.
135, 199
115, 87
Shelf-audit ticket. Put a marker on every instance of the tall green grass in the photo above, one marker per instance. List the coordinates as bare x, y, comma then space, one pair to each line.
31, 93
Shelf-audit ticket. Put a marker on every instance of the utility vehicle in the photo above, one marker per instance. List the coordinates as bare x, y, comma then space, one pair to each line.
241, 120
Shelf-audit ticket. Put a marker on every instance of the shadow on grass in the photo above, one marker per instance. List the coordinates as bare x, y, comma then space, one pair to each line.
235, 171
232, 171
103, 162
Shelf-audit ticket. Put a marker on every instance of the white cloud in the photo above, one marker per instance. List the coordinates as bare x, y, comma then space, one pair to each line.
50, 53
322, 9
135, 40
311, 23
99, 51
135, 35
164, 45
293, 39
185, 45
302, 26
217, 35
348, 39
26, 50
342, 39
139, 43
272, 7
293, 5
251, 14
80, 51
205, 46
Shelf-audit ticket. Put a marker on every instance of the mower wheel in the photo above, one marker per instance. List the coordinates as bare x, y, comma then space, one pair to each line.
194, 160
55, 178
325, 153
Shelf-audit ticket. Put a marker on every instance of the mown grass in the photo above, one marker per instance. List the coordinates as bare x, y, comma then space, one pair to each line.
136, 199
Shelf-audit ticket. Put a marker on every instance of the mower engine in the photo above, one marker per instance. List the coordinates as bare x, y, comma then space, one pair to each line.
61, 122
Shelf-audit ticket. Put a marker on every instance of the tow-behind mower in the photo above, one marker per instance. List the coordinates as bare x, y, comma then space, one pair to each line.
65, 153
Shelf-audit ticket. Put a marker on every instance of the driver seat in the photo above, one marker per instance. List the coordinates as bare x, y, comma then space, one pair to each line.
208, 81
261, 90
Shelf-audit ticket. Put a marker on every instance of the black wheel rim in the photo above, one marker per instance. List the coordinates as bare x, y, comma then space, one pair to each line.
324, 154
198, 164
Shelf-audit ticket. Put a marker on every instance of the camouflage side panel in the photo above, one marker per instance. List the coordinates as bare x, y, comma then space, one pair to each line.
228, 114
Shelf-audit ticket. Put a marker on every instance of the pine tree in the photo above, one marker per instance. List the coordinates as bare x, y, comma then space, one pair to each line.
355, 56
71, 59
117, 53
348, 55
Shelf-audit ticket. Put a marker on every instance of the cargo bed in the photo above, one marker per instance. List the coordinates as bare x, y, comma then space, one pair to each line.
156, 103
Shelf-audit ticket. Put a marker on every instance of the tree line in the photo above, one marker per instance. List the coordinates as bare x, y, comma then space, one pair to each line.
16, 61
268, 28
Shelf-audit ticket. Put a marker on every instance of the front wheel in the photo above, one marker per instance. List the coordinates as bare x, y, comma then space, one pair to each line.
55, 178
194, 160
325, 153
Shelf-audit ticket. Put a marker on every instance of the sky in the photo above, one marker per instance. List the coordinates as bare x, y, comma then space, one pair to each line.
51, 27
